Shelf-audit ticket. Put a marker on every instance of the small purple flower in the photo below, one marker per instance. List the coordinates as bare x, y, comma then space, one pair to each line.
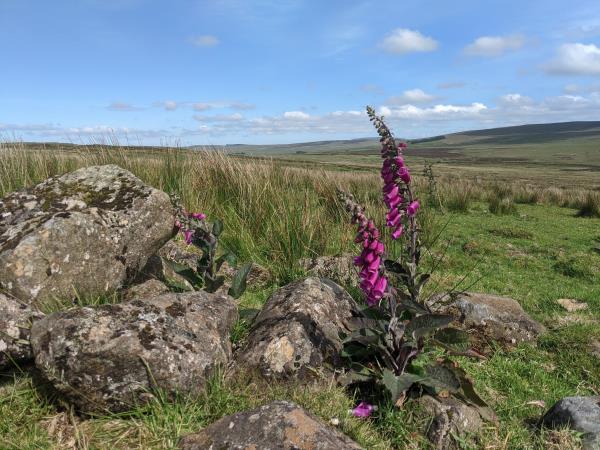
187, 235
198, 216
363, 410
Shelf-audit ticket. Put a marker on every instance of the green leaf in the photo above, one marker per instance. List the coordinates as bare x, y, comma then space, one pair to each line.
238, 284
217, 227
427, 323
214, 285
453, 339
228, 257
397, 385
441, 378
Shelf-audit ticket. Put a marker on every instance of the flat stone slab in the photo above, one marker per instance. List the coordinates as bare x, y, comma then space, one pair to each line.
280, 425
488, 317
111, 358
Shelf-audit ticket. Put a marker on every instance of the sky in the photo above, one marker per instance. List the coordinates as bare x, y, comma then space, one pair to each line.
209, 72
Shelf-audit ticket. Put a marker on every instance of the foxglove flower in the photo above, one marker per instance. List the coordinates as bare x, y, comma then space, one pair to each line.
363, 410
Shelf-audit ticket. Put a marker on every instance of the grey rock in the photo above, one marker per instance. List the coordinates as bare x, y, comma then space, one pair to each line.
15, 324
147, 289
112, 357
340, 269
449, 418
489, 317
89, 231
578, 413
280, 425
296, 335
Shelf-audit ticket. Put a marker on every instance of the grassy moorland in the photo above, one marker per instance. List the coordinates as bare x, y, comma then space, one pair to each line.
534, 248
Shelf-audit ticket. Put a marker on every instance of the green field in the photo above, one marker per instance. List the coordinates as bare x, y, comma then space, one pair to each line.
277, 211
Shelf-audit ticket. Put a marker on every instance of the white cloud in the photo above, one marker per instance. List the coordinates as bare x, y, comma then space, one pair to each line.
437, 112
575, 59
515, 99
123, 106
494, 45
411, 96
402, 41
170, 105
205, 41
202, 106
296, 115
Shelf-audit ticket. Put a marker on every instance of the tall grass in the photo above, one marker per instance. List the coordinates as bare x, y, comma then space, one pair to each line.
274, 214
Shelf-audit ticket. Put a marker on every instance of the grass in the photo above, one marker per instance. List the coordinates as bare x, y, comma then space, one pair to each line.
275, 214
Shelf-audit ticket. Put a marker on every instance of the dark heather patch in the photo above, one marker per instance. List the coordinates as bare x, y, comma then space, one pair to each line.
175, 310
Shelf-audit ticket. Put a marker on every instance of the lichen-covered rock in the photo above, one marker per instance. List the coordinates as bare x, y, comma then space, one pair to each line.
488, 317
578, 413
280, 425
337, 268
297, 332
111, 357
147, 289
15, 324
450, 418
89, 231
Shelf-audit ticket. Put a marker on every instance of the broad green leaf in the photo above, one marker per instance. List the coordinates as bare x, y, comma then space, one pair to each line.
238, 284
453, 339
217, 227
228, 257
441, 378
427, 323
397, 385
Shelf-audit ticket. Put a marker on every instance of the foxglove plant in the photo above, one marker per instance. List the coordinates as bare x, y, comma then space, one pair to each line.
391, 343
197, 232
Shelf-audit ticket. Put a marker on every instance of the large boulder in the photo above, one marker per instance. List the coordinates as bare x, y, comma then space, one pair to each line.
297, 332
578, 413
15, 324
280, 425
112, 357
87, 232
488, 317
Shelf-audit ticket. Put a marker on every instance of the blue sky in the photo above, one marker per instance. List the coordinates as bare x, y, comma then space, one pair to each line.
279, 71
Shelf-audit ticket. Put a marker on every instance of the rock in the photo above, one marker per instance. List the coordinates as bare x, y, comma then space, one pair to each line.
180, 252
297, 332
490, 317
337, 268
571, 305
280, 425
450, 418
111, 357
89, 231
578, 413
15, 324
148, 289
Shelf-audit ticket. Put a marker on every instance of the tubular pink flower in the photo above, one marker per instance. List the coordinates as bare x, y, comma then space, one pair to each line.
187, 235
198, 216
413, 208
397, 232
379, 287
404, 174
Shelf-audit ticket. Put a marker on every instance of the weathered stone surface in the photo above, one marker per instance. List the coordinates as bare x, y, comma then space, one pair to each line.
15, 324
297, 332
449, 418
147, 289
337, 268
109, 358
490, 317
578, 413
280, 425
88, 231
